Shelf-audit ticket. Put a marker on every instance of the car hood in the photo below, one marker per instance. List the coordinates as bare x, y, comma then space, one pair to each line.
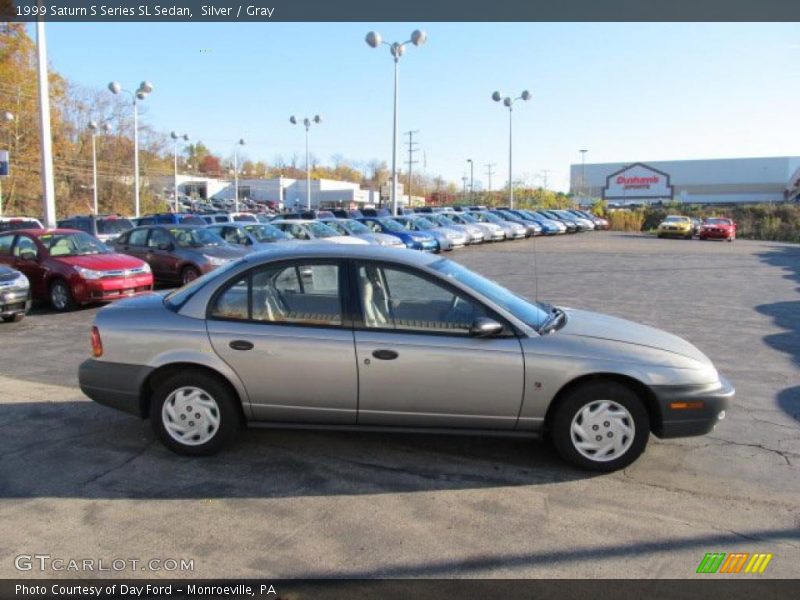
8, 274
100, 262
379, 238
588, 324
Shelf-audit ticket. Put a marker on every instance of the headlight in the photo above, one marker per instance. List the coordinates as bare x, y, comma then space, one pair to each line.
146, 268
217, 262
418, 238
21, 281
89, 273
453, 236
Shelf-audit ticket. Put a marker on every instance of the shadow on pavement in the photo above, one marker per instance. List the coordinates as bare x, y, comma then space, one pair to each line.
785, 315
79, 449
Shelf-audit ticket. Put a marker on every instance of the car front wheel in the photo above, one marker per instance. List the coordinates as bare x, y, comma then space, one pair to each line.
61, 296
600, 426
189, 274
193, 413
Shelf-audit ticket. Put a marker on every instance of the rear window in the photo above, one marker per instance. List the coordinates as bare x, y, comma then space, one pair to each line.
106, 226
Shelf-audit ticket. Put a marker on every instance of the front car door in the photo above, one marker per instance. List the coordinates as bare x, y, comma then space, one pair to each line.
284, 330
27, 259
161, 254
418, 364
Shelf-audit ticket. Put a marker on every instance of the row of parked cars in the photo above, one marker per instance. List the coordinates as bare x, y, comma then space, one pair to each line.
89, 259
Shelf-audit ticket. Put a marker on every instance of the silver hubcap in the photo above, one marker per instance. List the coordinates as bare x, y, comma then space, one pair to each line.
58, 295
190, 416
189, 275
602, 430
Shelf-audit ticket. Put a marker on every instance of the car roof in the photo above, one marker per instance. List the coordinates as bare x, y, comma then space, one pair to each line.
40, 232
316, 250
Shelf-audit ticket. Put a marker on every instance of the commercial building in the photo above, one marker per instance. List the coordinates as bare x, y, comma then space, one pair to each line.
726, 180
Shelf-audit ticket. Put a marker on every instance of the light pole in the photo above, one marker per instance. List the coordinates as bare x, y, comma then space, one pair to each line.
241, 142
94, 129
471, 179
144, 90
307, 122
373, 39
508, 102
8, 117
176, 138
583, 152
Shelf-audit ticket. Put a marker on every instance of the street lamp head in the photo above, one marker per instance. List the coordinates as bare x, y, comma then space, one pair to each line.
107, 127
146, 87
497, 97
469, 160
293, 120
397, 50
8, 116
92, 126
173, 135
507, 102
419, 37
241, 142
186, 137
307, 123
114, 87
526, 95
317, 119
373, 39
141, 95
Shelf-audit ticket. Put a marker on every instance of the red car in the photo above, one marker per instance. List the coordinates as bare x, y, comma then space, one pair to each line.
71, 268
718, 228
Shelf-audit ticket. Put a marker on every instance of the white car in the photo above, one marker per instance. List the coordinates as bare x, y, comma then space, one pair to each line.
306, 229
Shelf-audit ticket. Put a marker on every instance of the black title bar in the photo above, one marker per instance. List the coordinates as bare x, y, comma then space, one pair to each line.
406, 10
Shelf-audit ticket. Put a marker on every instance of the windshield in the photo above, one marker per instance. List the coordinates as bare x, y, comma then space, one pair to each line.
354, 227
674, 219
106, 226
466, 217
337, 227
528, 312
393, 225
186, 237
73, 244
266, 233
492, 218
320, 230
424, 223
713, 221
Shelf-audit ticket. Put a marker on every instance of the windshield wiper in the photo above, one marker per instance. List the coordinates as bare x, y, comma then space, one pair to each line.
556, 318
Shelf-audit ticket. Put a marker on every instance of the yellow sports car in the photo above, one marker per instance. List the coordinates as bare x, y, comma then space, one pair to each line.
676, 226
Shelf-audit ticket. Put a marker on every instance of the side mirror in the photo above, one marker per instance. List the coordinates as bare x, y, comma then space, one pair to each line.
485, 327
27, 255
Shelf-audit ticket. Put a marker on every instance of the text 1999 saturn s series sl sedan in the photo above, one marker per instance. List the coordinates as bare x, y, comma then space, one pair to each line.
371, 338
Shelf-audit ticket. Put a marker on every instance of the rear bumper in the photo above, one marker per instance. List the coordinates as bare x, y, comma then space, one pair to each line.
116, 385
689, 410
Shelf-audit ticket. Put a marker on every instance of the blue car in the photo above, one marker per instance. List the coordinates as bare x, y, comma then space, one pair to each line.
416, 240
549, 227
170, 219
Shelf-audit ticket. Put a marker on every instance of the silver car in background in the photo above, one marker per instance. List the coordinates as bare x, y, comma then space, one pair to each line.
359, 230
369, 338
479, 232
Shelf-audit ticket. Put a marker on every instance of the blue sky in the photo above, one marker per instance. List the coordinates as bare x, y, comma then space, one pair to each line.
626, 92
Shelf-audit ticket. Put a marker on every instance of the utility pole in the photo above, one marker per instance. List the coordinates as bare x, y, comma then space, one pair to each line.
544, 177
489, 173
412, 147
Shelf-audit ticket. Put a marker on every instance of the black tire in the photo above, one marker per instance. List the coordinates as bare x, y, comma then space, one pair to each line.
688, 237
188, 274
61, 296
14, 318
587, 394
227, 410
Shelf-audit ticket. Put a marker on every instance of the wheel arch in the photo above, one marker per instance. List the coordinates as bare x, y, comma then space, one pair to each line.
162, 373
640, 389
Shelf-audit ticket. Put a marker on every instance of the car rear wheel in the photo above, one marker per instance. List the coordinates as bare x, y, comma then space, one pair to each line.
61, 296
193, 413
189, 274
600, 426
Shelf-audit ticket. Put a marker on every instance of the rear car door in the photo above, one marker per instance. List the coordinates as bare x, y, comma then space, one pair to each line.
418, 364
283, 329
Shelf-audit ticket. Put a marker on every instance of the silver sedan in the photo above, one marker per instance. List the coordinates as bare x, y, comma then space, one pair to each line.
370, 338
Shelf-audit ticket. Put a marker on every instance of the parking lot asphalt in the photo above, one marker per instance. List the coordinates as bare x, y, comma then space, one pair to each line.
78, 480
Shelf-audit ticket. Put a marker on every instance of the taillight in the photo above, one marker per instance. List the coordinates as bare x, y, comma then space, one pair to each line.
97, 343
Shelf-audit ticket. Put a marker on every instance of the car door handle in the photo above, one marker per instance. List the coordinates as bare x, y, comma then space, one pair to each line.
241, 345
385, 354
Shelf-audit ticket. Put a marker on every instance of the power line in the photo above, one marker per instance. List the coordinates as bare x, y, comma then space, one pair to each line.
489, 173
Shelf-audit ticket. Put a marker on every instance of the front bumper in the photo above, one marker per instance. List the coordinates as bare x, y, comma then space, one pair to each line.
116, 385
14, 301
716, 234
674, 232
688, 410
112, 288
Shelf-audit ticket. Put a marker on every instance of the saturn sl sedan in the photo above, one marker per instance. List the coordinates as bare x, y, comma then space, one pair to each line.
371, 338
